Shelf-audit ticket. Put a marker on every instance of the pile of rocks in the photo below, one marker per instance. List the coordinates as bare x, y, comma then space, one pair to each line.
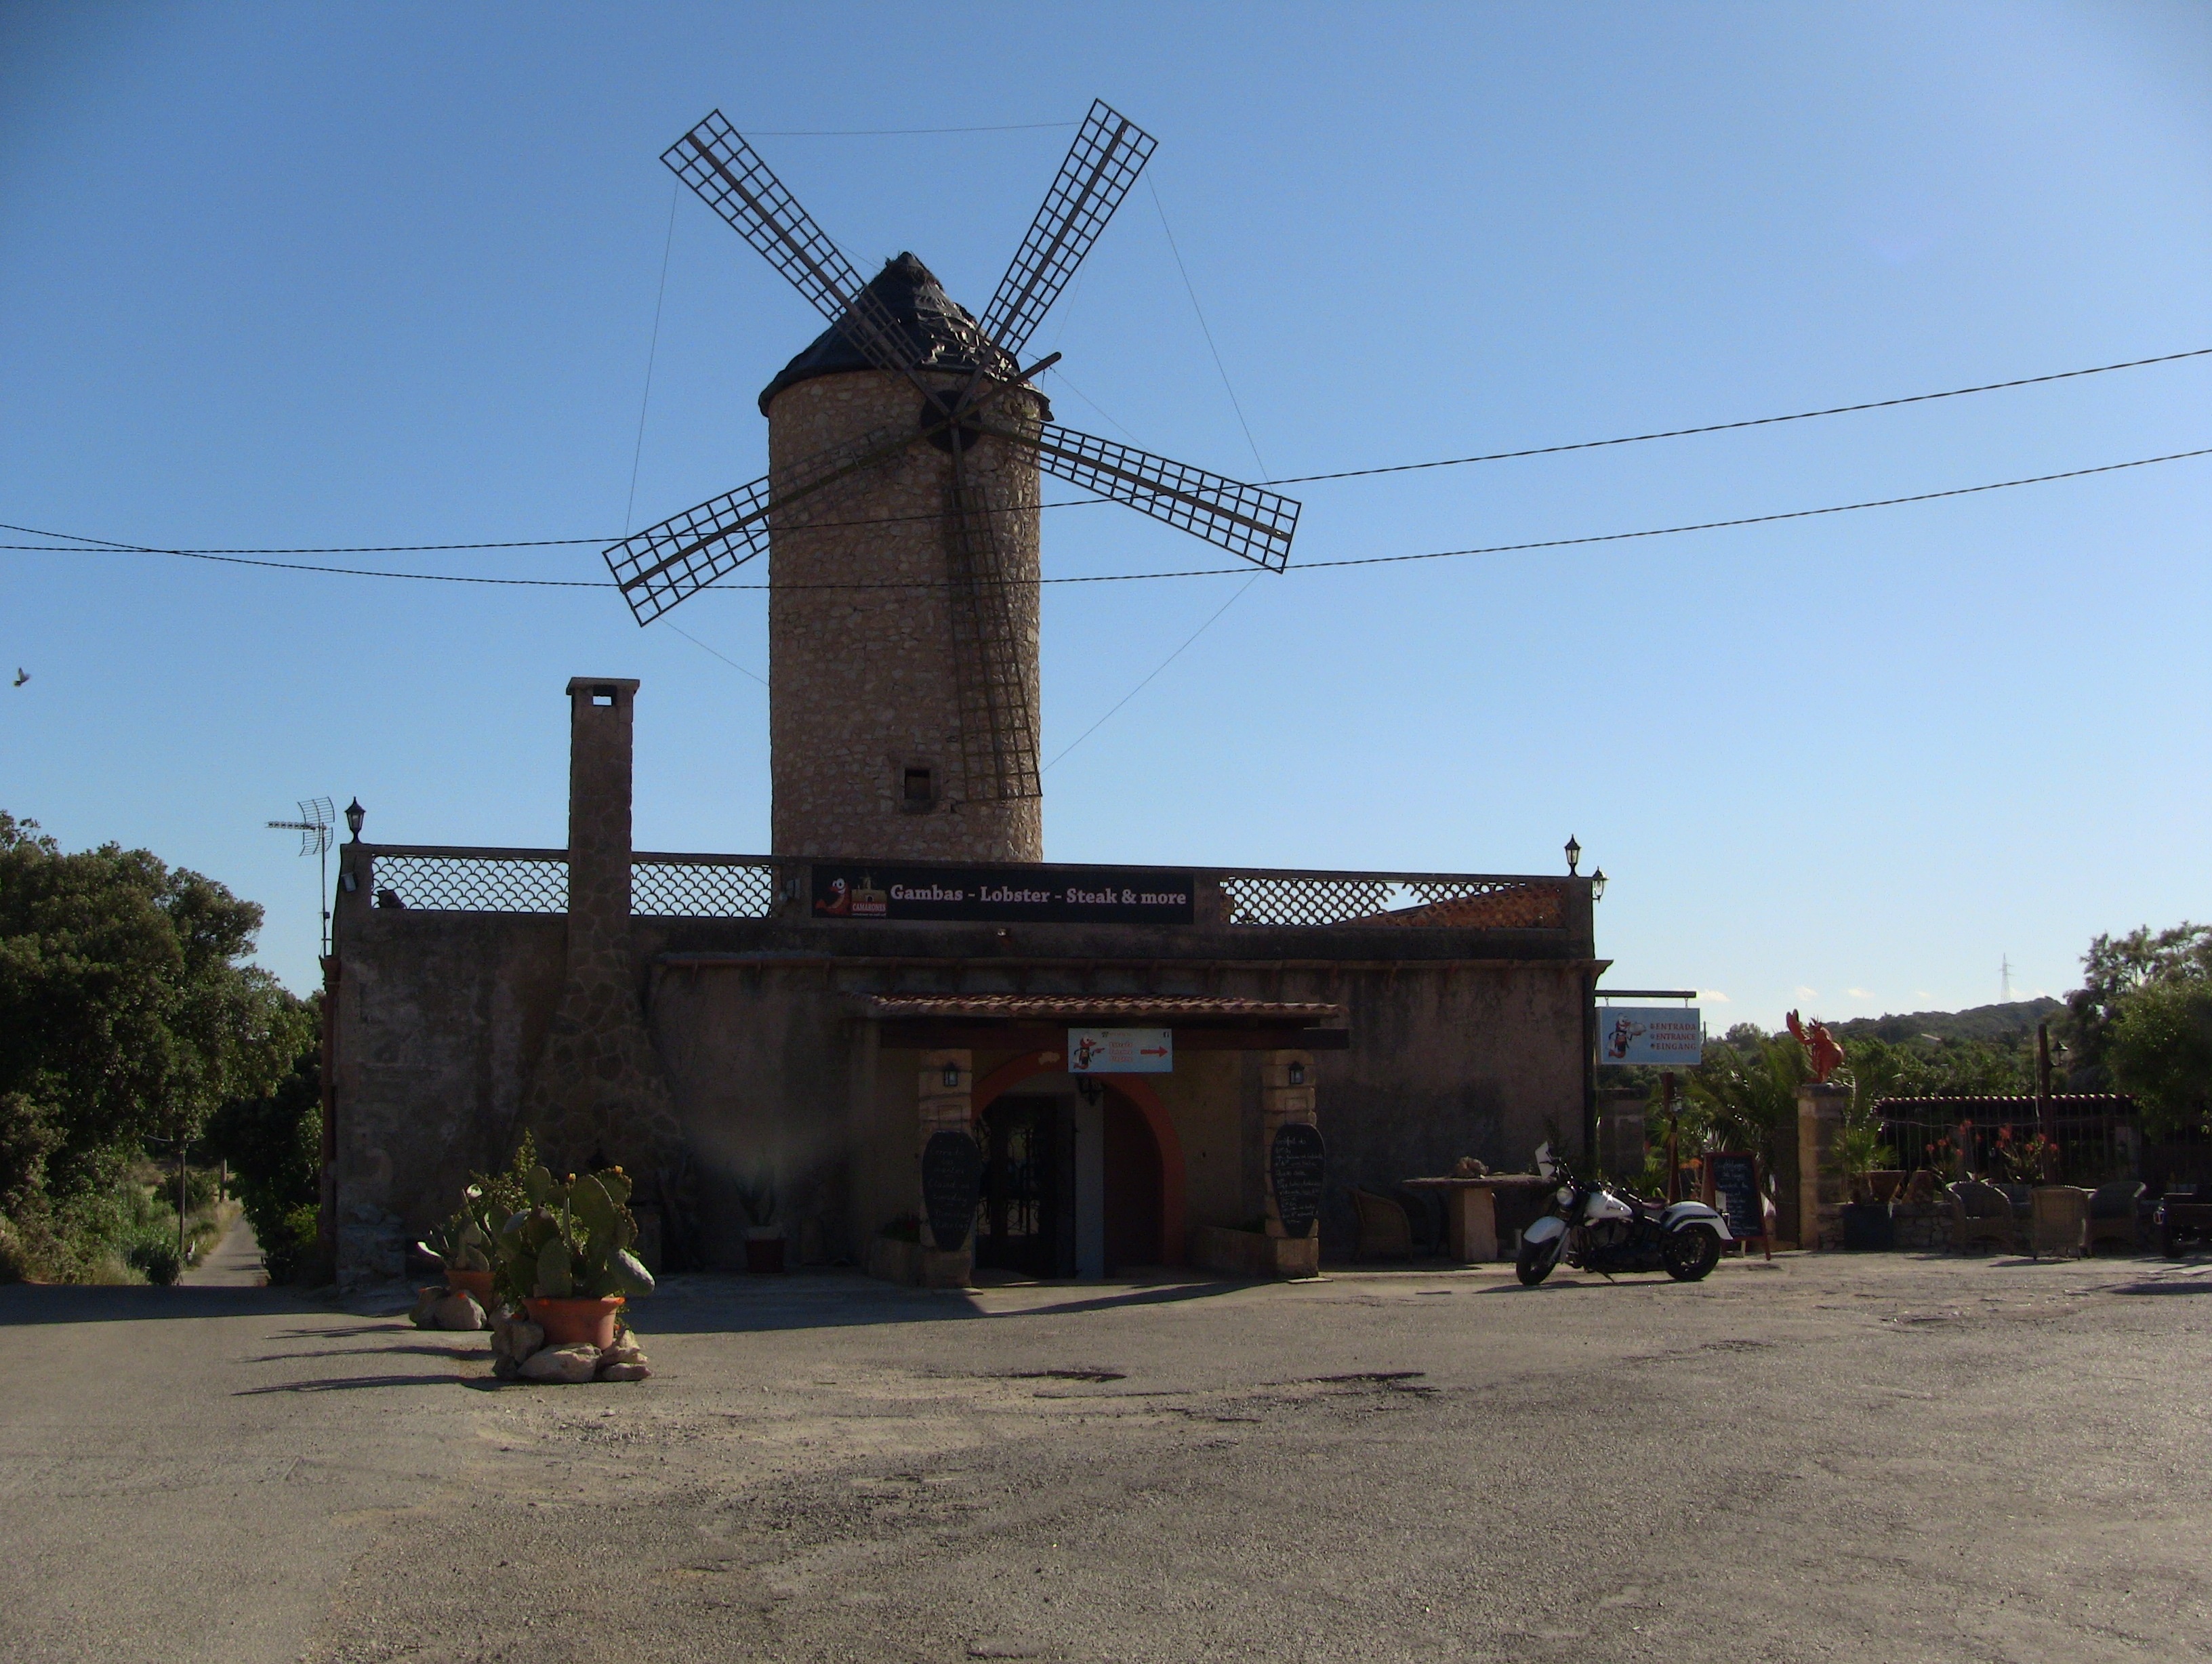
441, 1308
518, 1352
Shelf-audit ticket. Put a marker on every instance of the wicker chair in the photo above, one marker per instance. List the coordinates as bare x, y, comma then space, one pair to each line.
2115, 1215
1385, 1232
2058, 1221
1981, 1212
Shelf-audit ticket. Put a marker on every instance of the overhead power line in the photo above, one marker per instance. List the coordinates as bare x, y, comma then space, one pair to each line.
1731, 427
1089, 502
102, 546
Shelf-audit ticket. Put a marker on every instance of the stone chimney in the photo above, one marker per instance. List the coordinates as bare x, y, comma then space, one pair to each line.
598, 1089
600, 712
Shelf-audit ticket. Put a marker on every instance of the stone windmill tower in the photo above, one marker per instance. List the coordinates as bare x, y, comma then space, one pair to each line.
900, 513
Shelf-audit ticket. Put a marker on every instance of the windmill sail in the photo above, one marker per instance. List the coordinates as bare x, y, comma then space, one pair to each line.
1248, 520
1102, 165
998, 718
729, 175
666, 564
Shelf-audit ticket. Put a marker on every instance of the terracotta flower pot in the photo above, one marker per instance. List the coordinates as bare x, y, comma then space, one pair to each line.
477, 1282
575, 1322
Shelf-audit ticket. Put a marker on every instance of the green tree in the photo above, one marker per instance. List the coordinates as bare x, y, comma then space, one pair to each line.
2115, 968
1746, 1092
2159, 1047
126, 1014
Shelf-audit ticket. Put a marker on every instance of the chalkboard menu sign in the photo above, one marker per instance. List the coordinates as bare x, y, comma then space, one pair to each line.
1737, 1193
951, 1170
1296, 1163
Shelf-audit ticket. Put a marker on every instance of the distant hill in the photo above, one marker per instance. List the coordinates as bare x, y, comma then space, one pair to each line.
1996, 1024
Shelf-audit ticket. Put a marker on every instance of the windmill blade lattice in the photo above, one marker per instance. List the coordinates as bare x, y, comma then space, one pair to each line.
1102, 165
1248, 520
715, 159
998, 718
665, 564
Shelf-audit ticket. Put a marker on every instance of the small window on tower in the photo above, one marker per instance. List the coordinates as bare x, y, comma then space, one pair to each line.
918, 788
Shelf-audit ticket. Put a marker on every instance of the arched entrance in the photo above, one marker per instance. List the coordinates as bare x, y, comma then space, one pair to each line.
1149, 1203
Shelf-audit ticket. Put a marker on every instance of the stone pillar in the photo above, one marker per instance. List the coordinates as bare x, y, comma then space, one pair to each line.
598, 1091
943, 1109
1287, 1095
1820, 1190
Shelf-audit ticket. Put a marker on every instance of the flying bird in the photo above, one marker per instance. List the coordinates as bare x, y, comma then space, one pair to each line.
22, 676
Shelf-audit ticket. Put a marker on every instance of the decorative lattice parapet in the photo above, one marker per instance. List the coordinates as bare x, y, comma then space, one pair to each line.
1467, 902
676, 886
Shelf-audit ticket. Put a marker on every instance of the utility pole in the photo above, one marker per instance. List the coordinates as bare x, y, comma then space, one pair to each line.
180, 1202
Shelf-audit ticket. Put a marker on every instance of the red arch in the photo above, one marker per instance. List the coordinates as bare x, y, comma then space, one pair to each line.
1139, 1092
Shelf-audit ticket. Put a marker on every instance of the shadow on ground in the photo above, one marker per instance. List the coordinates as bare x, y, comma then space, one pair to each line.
27, 1302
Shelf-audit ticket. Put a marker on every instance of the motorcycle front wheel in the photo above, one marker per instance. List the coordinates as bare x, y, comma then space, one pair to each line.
1534, 1263
1691, 1254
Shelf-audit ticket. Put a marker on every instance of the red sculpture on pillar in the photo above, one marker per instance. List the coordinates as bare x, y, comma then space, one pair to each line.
1827, 1053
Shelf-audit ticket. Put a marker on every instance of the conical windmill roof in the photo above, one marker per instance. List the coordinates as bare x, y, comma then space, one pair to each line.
917, 303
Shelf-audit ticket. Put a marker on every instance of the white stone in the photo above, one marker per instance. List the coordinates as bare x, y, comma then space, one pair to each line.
636, 1371
562, 1365
458, 1311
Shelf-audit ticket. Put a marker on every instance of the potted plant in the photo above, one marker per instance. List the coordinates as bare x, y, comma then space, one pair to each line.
1857, 1152
763, 1230
566, 1260
462, 1247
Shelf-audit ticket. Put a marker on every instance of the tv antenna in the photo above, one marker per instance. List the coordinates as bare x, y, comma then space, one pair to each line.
315, 826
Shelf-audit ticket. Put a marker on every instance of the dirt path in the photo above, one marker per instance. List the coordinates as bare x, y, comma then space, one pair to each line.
233, 1263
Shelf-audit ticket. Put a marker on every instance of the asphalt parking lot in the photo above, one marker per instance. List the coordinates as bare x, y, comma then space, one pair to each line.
1829, 1457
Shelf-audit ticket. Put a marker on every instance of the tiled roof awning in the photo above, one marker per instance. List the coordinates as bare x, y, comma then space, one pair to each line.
1158, 1009
1023, 1021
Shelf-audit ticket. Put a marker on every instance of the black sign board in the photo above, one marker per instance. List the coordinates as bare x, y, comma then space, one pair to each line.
1296, 1162
1069, 896
1736, 1193
951, 1170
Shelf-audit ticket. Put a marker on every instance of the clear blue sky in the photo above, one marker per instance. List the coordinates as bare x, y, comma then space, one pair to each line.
317, 275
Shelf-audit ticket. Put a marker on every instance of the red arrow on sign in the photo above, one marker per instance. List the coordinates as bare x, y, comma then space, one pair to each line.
1152, 1051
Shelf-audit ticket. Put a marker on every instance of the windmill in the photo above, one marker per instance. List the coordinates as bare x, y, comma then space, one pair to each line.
317, 819
901, 506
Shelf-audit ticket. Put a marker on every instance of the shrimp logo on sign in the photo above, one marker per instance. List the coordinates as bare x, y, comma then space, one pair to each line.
1087, 1050
1623, 1036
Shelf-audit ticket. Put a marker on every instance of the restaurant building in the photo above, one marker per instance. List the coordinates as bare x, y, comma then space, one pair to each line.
934, 1066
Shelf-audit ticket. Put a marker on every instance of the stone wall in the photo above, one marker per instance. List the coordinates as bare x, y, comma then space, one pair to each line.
862, 678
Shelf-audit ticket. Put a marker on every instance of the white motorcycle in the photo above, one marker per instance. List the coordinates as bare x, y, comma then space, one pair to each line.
1592, 1228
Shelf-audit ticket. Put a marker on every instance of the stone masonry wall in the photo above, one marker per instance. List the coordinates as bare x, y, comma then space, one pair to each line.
861, 679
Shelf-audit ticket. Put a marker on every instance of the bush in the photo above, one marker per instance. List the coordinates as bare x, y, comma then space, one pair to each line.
287, 1249
157, 1258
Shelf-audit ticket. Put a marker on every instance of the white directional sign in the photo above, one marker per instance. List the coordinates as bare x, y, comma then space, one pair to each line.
1120, 1051
1669, 1036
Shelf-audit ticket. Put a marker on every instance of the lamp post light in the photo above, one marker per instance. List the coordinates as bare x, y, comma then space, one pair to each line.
355, 815
1597, 886
1574, 855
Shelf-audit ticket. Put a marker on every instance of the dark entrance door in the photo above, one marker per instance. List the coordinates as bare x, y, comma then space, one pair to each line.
1025, 1216
1133, 1188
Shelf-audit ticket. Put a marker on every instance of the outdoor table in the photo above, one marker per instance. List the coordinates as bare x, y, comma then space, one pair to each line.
1470, 1210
